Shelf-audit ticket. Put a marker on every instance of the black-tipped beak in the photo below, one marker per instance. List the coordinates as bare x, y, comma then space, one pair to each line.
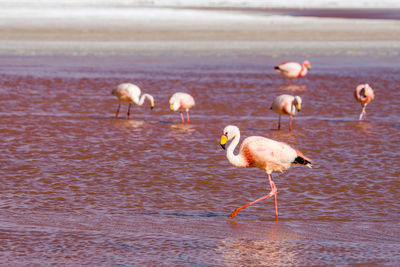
223, 141
151, 108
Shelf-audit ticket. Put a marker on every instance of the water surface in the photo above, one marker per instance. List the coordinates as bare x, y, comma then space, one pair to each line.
81, 187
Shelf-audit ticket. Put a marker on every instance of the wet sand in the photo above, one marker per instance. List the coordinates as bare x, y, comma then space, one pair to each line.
81, 187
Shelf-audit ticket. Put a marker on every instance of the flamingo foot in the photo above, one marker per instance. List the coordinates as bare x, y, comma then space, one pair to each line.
234, 213
182, 118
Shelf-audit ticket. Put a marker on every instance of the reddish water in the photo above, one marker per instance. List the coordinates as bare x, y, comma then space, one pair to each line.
81, 187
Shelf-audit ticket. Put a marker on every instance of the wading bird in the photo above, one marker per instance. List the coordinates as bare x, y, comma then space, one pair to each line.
293, 70
364, 94
286, 105
127, 92
263, 153
180, 101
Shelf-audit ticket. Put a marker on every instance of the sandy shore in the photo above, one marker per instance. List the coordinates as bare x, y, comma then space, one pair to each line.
126, 31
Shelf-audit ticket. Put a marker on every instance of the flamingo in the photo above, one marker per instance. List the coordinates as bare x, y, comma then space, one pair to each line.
179, 101
364, 94
127, 92
293, 70
263, 153
286, 105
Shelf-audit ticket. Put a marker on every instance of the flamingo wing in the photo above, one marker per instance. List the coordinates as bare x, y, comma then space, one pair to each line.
265, 153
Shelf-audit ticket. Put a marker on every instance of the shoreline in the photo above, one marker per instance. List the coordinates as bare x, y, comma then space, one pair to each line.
313, 12
273, 49
209, 30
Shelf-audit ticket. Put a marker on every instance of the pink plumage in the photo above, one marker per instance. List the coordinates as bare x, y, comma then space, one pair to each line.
182, 101
364, 94
293, 70
127, 92
286, 105
263, 153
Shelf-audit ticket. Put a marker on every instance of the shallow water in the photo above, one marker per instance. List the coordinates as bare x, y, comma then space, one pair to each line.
81, 187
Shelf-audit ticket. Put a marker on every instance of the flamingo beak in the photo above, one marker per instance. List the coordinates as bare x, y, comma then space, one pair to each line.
151, 105
171, 107
309, 67
223, 141
298, 107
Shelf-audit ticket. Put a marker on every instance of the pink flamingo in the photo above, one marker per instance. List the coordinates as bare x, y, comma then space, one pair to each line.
179, 101
286, 105
263, 153
127, 92
293, 70
364, 94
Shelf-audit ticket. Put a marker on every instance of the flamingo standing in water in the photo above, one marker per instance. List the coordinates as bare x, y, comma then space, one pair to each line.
127, 92
364, 94
263, 153
286, 105
293, 70
179, 101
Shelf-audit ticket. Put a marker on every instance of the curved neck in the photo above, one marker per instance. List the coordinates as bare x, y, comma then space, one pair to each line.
141, 101
235, 160
303, 71
293, 107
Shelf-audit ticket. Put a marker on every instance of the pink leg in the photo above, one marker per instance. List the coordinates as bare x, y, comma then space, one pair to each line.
116, 114
279, 122
290, 82
276, 199
187, 116
183, 119
129, 110
363, 113
270, 194
290, 123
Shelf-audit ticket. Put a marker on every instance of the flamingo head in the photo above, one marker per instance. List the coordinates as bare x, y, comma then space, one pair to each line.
174, 105
230, 132
367, 88
307, 64
151, 102
297, 102
362, 90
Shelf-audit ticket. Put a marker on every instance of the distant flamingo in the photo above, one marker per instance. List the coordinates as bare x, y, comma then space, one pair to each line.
179, 101
364, 94
286, 105
127, 92
293, 70
263, 153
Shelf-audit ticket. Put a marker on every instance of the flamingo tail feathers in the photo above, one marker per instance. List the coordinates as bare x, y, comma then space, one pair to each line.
302, 160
